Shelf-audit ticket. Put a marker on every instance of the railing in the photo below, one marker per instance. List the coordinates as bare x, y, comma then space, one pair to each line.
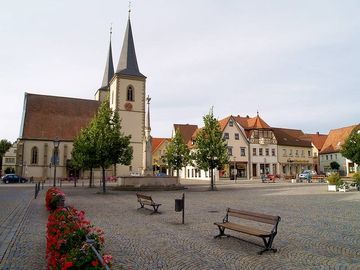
91, 242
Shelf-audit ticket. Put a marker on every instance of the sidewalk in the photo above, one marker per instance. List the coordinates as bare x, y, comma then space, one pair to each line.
26, 236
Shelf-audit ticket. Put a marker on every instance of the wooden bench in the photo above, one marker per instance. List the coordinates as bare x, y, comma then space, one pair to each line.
147, 200
266, 235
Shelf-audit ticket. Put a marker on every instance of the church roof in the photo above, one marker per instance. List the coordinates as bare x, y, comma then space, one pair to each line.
336, 138
128, 63
109, 69
47, 117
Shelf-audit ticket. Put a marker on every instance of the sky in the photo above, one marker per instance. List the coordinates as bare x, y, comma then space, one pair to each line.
295, 62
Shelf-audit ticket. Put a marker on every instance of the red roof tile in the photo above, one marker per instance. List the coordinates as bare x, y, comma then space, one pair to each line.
317, 139
48, 117
186, 131
336, 138
157, 142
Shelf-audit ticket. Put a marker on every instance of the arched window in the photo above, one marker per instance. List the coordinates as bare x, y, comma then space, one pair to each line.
34, 155
130, 93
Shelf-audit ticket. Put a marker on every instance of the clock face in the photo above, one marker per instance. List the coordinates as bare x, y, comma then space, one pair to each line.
128, 106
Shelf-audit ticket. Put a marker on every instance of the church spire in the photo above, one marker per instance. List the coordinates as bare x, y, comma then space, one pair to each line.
109, 68
128, 63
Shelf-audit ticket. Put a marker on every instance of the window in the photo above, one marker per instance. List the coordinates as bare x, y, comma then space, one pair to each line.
254, 151
284, 152
309, 154
260, 151
130, 93
327, 157
273, 152
230, 150
290, 152
9, 160
331, 156
297, 153
34, 155
267, 151
236, 136
226, 136
335, 156
242, 151
231, 123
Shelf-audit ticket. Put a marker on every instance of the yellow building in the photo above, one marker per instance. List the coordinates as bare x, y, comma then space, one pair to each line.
158, 152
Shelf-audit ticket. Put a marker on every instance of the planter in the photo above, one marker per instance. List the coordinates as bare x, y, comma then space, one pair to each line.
332, 188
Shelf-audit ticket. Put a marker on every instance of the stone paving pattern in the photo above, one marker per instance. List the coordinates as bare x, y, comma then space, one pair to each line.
318, 230
23, 222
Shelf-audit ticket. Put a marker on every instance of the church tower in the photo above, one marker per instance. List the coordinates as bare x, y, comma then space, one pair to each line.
127, 95
104, 90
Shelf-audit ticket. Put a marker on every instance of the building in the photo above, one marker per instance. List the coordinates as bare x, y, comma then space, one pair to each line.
159, 146
330, 151
238, 149
9, 159
294, 153
262, 145
317, 142
47, 118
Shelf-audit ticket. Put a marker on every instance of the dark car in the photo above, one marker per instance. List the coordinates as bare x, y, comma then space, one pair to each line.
13, 178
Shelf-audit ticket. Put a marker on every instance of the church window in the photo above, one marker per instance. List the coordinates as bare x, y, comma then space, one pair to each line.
130, 93
34, 155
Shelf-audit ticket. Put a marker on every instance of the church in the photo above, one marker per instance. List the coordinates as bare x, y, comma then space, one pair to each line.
51, 120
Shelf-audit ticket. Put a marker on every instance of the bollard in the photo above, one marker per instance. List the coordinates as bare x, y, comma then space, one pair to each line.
180, 206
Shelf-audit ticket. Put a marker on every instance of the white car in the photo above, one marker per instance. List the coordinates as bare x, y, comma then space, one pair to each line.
305, 173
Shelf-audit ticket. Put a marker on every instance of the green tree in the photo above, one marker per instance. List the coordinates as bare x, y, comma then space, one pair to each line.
351, 147
177, 153
111, 145
84, 151
4, 146
210, 150
334, 165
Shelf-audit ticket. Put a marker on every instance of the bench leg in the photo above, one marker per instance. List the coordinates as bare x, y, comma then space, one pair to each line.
221, 233
268, 245
156, 207
141, 205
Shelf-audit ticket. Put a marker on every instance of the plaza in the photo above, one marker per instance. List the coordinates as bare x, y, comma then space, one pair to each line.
318, 229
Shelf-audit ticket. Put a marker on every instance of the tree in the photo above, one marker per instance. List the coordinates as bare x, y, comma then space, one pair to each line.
334, 165
177, 153
351, 147
4, 146
111, 145
210, 150
84, 151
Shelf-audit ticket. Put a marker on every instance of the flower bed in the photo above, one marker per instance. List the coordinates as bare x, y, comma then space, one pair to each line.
66, 248
54, 198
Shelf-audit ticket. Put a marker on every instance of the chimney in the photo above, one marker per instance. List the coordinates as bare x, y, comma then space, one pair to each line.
317, 133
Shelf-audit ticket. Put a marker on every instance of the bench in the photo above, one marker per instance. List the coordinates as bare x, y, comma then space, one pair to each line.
147, 200
266, 235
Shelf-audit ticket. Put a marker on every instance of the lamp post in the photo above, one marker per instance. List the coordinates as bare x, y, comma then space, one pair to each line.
235, 170
55, 157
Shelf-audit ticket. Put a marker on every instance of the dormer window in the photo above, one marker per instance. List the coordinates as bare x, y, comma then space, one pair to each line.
231, 123
130, 94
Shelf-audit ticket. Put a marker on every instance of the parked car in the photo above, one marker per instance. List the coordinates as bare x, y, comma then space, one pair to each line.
13, 178
307, 174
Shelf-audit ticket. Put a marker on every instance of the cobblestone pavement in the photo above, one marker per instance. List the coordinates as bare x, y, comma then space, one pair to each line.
318, 230
22, 228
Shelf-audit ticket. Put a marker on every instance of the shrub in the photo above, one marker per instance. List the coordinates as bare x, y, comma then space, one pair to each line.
54, 198
356, 177
334, 179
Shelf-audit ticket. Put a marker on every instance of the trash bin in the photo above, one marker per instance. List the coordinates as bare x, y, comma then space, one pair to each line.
179, 205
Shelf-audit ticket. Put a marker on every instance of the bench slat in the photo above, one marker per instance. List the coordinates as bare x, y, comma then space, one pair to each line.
243, 229
263, 218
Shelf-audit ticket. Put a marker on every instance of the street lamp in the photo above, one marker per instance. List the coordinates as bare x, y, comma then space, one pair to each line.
55, 157
235, 171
